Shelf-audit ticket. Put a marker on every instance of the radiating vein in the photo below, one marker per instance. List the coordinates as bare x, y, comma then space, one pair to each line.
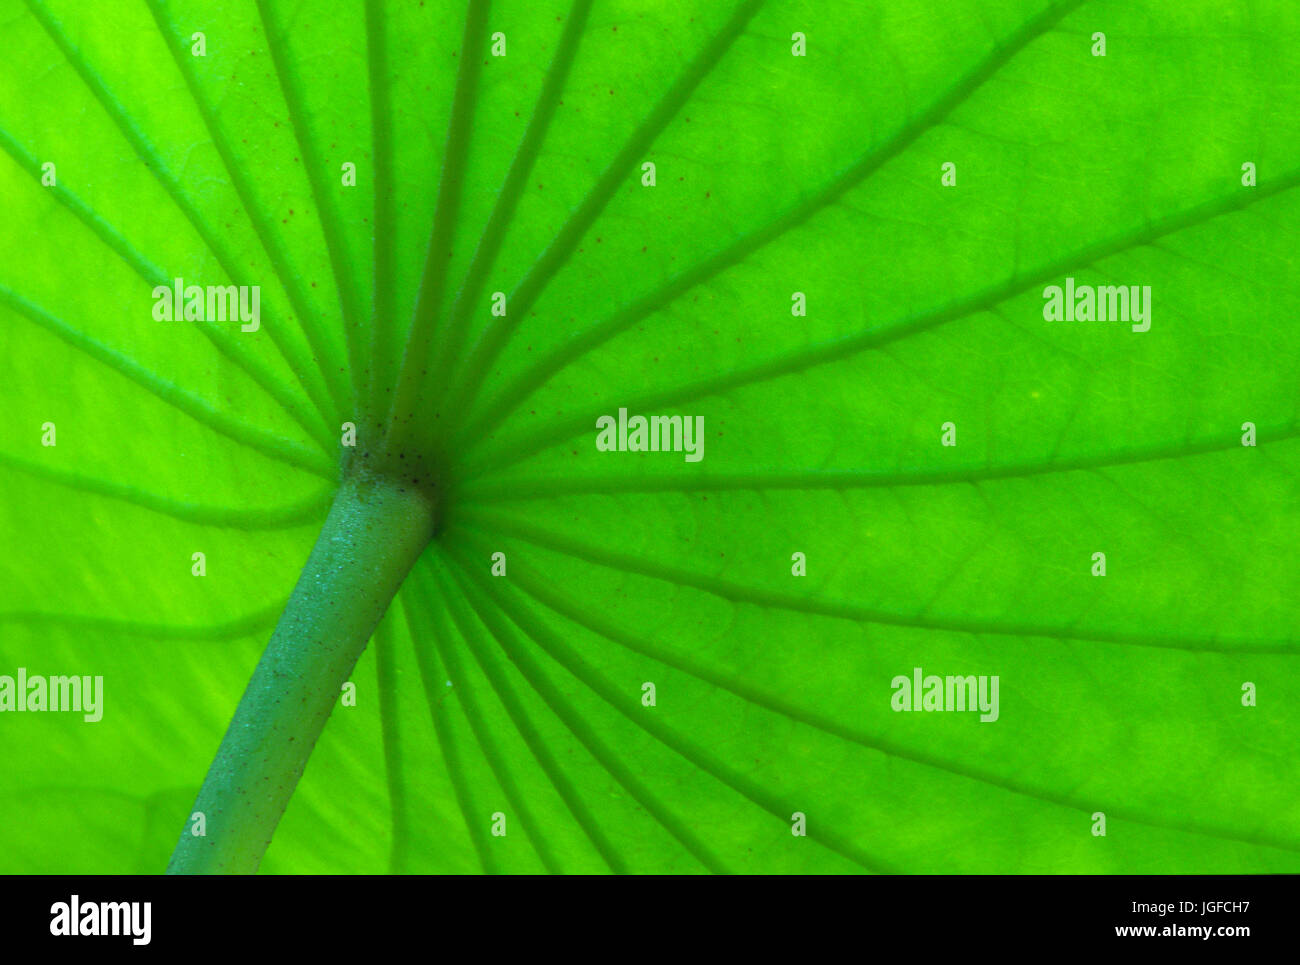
688, 750
430, 674
252, 624
467, 381
855, 174
582, 815
489, 245
842, 480
284, 450
845, 346
308, 377
327, 360
846, 610
354, 324
434, 586
442, 233
383, 330
390, 726
478, 723
308, 510
225, 342
518, 654
546, 593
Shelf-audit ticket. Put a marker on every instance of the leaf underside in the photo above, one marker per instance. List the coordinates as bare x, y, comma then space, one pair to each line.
775, 174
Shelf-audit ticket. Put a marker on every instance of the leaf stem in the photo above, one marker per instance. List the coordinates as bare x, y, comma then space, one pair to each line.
375, 531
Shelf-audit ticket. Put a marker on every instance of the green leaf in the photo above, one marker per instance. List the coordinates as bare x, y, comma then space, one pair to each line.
519, 697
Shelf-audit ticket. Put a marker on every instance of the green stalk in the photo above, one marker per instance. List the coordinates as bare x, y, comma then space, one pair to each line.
375, 531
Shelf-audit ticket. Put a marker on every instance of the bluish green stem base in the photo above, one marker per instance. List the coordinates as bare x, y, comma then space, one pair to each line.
375, 531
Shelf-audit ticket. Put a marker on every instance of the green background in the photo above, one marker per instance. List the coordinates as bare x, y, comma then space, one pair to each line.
775, 174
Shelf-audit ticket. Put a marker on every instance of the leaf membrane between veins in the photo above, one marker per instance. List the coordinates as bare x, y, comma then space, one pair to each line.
777, 174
